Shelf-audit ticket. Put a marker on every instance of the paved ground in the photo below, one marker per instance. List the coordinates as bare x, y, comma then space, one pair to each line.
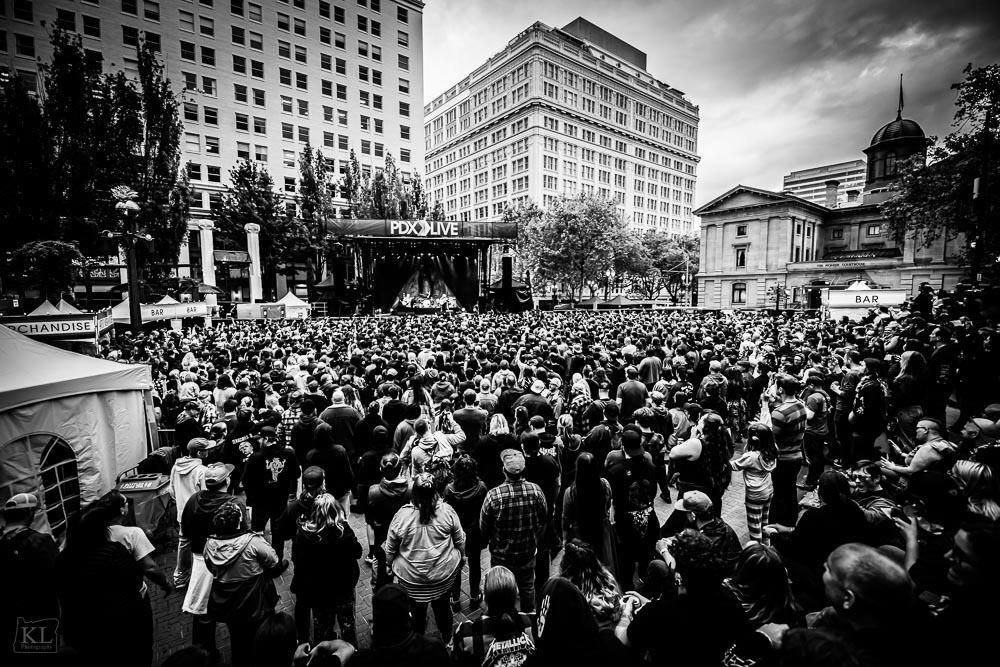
172, 627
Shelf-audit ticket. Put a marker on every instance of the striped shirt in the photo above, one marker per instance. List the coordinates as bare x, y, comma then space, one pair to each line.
788, 423
512, 517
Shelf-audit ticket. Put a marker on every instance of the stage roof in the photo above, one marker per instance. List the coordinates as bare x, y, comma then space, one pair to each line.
424, 230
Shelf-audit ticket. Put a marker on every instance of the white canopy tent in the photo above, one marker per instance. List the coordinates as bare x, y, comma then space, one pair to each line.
295, 308
69, 425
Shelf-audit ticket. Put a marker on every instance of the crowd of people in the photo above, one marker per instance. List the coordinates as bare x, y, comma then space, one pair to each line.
867, 450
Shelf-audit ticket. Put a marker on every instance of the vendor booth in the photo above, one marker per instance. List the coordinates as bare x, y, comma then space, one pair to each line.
858, 298
288, 307
69, 425
62, 324
164, 309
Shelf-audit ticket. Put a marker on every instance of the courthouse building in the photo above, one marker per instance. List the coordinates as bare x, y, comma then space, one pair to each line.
564, 111
259, 79
753, 240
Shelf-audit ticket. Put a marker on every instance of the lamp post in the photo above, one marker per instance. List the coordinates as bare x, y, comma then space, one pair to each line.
127, 208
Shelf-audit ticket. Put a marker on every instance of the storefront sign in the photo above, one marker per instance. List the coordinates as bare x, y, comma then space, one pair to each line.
865, 298
84, 327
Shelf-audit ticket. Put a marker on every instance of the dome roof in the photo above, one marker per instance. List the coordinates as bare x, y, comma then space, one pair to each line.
901, 128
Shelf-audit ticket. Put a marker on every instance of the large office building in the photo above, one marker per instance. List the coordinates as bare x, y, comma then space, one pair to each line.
564, 111
259, 79
812, 184
754, 241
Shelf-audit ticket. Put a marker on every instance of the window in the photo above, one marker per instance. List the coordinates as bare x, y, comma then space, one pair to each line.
288, 131
91, 26
338, 15
339, 40
239, 36
236, 7
128, 7
286, 104
376, 29
403, 39
341, 92
259, 153
256, 41
404, 155
366, 147
284, 76
284, 22
208, 86
259, 125
194, 171
207, 26
130, 37
404, 132
874, 230
303, 107
341, 66
342, 142
255, 13
365, 123
324, 35
376, 53
259, 98
363, 73
60, 479
362, 23
24, 45
379, 150
300, 54
329, 139
342, 117
211, 116
284, 49
214, 174
242, 122
242, 150
404, 62
741, 258
741, 230
303, 134
288, 159
324, 9
212, 145
402, 14
257, 69
739, 296
208, 56
192, 142
404, 86
364, 98
240, 93
239, 62
300, 27
837, 234
404, 109
66, 20
152, 41
186, 21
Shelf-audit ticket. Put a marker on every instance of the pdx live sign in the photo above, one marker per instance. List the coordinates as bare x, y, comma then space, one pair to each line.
422, 228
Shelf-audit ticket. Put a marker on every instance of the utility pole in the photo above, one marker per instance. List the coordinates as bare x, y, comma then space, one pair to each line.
128, 209
982, 193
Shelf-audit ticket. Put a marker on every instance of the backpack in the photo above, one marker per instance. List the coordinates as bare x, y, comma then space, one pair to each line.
640, 493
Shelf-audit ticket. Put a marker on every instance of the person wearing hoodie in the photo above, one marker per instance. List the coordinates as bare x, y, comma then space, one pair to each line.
404, 430
270, 475
394, 643
364, 431
243, 593
303, 433
426, 444
384, 500
369, 472
442, 389
466, 493
325, 553
336, 465
187, 477
543, 470
239, 445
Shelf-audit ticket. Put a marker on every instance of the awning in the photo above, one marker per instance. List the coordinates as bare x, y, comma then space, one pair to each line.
231, 257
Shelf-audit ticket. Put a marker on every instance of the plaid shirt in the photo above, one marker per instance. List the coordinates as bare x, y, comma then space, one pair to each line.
288, 421
512, 518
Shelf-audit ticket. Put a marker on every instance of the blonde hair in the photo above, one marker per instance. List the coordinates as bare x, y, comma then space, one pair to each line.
980, 486
500, 591
499, 425
326, 513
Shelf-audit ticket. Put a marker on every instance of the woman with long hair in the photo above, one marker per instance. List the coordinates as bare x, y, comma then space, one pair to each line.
326, 556
521, 418
979, 485
586, 511
466, 493
502, 635
760, 584
759, 458
417, 394
425, 549
224, 390
868, 417
908, 395
487, 454
581, 566
351, 398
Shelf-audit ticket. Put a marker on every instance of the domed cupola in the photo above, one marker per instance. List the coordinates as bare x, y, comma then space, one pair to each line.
894, 142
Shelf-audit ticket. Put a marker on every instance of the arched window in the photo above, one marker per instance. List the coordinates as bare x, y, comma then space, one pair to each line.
739, 296
60, 483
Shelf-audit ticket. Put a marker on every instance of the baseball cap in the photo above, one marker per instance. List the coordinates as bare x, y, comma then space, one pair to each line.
513, 461
217, 473
694, 501
21, 501
198, 445
313, 476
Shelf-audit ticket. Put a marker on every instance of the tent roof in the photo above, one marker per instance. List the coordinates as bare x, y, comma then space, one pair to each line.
67, 308
167, 301
45, 308
291, 300
34, 372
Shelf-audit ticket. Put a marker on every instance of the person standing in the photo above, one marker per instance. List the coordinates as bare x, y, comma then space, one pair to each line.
633, 486
472, 419
758, 460
817, 403
384, 500
270, 478
788, 424
631, 395
424, 549
942, 372
512, 521
187, 477
466, 493
543, 470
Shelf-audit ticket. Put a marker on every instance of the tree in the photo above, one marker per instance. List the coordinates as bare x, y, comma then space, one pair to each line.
251, 198
383, 195
953, 194
415, 200
51, 267
575, 242
316, 208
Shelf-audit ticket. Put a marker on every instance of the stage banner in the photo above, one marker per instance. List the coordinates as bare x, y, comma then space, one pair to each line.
423, 229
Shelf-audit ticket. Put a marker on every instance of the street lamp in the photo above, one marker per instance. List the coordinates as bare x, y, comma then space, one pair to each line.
127, 208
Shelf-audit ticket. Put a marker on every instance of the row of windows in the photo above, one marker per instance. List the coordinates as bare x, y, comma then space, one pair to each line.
194, 142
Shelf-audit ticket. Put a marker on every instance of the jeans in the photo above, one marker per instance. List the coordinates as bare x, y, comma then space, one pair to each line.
442, 616
785, 503
814, 445
474, 557
341, 611
525, 577
260, 516
182, 572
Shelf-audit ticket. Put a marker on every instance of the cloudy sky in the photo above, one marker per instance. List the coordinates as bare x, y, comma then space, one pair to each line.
782, 84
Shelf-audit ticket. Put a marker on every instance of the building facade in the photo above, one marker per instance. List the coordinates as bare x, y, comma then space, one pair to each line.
754, 240
811, 184
258, 79
564, 111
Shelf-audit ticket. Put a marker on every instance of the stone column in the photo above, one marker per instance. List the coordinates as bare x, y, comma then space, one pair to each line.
206, 240
253, 247
184, 257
